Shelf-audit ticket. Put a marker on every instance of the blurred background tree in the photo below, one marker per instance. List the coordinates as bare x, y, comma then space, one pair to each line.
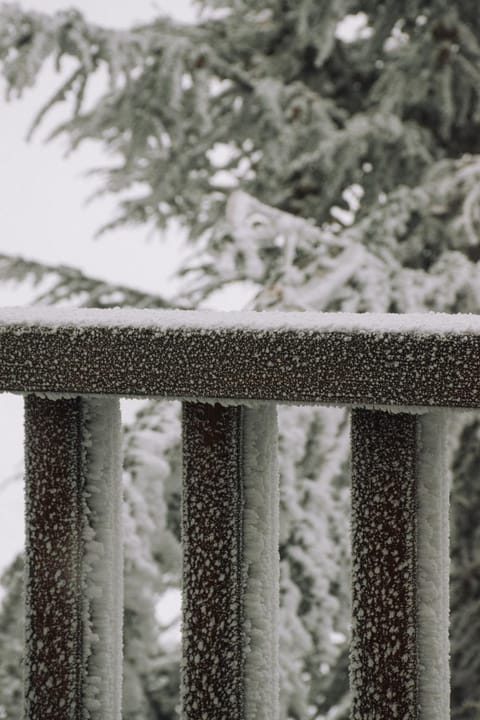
328, 156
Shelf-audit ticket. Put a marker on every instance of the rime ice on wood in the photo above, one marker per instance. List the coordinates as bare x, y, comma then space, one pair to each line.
102, 566
73, 566
433, 568
383, 662
261, 562
212, 567
53, 663
230, 540
292, 357
400, 493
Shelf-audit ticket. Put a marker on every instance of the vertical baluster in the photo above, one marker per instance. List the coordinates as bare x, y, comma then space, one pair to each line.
212, 574
53, 663
73, 559
399, 656
261, 562
230, 573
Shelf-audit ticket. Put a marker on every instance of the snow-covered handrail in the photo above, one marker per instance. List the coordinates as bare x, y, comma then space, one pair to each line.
230, 369
324, 358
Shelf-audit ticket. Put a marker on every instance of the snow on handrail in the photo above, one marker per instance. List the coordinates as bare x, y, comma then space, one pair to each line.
329, 358
426, 323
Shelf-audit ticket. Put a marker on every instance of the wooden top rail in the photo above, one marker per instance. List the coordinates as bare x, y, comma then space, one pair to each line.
379, 360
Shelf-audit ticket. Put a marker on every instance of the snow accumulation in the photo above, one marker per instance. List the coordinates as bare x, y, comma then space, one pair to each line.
208, 320
102, 567
433, 568
261, 563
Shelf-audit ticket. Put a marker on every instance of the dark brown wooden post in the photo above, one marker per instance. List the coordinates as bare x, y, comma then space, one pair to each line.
383, 663
212, 685
73, 572
231, 563
54, 662
400, 495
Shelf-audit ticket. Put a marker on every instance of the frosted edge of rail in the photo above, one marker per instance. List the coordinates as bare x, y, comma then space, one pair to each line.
207, 320
433, 566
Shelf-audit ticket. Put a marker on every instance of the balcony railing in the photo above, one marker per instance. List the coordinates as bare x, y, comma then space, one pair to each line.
398, 374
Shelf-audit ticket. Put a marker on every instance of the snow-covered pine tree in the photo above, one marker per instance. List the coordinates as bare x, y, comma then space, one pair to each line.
329, 154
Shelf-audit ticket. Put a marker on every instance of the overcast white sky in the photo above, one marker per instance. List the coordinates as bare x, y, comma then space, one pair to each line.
44, 217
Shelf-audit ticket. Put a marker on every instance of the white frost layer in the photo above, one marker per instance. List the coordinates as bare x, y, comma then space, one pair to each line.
102, 565
418, 323
433, 568
261, 562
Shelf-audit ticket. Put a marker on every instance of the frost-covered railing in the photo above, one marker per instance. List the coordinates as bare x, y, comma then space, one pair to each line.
397, 373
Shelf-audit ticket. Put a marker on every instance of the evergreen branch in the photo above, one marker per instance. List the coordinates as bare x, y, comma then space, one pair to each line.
197, 293
71, 284
12, 479
57, 97
470, 215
